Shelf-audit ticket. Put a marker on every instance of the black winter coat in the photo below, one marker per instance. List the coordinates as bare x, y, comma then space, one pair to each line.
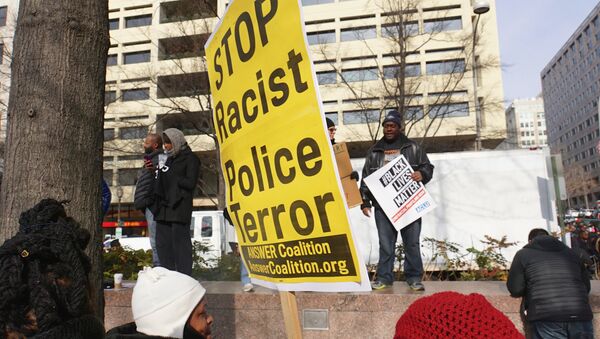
552, 280
144, 187
175, 187
84, 327
374, 160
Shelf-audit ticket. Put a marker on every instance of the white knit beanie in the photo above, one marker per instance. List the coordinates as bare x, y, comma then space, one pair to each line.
163, 300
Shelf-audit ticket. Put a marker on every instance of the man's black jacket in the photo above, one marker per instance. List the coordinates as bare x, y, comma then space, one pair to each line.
144, 187
552, 280
374, 160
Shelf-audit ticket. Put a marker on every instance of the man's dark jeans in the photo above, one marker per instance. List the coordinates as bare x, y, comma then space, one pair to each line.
413, 264
562, 330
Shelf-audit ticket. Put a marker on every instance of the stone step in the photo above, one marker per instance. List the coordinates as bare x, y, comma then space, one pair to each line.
345, 315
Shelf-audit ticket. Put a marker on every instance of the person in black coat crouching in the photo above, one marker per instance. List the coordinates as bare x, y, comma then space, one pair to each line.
554, 285
174, 190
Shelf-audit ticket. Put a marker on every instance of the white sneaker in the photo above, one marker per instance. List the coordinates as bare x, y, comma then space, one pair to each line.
248, 287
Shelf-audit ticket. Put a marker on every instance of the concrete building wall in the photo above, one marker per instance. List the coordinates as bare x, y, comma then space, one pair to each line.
570, 84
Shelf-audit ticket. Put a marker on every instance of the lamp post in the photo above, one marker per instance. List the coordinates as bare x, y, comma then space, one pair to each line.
119, 230
479, 7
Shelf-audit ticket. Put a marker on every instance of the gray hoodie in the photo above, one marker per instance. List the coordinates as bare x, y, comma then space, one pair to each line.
177, 140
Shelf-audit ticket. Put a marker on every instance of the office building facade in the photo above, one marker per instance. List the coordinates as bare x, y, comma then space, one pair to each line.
156, 78
526, 124
571, 87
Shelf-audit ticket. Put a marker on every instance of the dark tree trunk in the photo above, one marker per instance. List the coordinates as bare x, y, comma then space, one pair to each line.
55, 117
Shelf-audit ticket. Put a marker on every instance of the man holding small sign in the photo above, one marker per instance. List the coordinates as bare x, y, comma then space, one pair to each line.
393, 145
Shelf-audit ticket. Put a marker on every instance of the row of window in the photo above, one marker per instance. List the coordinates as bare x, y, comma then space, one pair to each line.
532, 133
392, 71
387, 31
133, 94
528, 124
131, 22
126, 133
542, 142
351, 117
170, 12
168, 86
128, 58
582, 141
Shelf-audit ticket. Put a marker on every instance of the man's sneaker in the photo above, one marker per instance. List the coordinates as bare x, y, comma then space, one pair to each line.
416, 286
248, 287
378, 285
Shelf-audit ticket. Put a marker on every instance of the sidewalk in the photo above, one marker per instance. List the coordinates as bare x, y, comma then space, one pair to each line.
344, 315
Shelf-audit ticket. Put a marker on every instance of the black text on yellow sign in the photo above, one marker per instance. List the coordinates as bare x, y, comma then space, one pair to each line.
317, 257
241, 43
280, 180
266, 174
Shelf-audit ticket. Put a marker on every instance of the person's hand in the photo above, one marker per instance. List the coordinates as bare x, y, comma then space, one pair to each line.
367, 211
148, 164
417, 176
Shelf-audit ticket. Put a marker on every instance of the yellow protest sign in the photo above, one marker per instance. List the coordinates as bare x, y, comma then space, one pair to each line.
282, 188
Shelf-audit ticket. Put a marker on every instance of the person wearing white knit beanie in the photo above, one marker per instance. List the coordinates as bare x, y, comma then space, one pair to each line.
167, 304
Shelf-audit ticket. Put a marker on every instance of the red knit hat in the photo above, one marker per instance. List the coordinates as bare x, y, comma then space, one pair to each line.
454, 315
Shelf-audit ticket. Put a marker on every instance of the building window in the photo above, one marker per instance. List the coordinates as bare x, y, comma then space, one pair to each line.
3, 11
181, 85
445, 67
449, 110
128, 176
135, 94
413, 113
327, 78
136, 57
128, 157
1, 54
113, 24
361, 116
190, 123
109, 97
182, 47
360, 74
109, 134
138, 21
442, 25
108, 176
111, 60
393, 71
315, 2
129, 133
324, 37
393, 30
358, 33
333, 116
185, 10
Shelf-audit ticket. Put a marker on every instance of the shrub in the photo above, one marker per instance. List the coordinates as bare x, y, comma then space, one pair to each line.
126, 261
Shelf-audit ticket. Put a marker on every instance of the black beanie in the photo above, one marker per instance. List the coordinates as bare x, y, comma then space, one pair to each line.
393, 116
329, 123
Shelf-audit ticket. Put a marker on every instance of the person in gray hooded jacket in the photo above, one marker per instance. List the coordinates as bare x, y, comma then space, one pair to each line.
174, 190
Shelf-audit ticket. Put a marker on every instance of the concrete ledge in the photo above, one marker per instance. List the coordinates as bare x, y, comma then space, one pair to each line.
374, 315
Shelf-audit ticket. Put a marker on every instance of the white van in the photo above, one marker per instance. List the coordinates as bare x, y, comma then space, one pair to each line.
207, 227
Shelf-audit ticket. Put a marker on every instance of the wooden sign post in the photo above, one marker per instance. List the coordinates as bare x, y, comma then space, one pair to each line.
289, 307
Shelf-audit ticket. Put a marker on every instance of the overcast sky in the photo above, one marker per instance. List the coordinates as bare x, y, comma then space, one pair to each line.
531, 32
